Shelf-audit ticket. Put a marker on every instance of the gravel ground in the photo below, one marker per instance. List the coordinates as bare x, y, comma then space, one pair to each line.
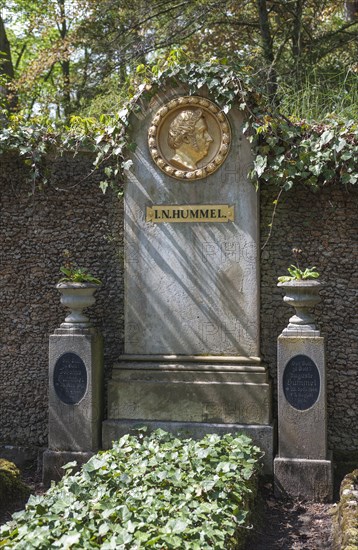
291, 525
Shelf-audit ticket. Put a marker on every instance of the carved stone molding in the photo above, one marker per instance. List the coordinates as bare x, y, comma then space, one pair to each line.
189, 138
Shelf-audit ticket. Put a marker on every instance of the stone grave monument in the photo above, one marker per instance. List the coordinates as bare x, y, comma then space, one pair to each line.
191, 362
303, 467
75, 387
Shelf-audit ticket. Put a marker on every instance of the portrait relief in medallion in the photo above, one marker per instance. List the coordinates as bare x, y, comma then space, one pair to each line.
189, 138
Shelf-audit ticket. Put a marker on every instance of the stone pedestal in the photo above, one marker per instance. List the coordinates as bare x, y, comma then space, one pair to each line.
192, 396
75, 398
191, 235
306, 479
303, 467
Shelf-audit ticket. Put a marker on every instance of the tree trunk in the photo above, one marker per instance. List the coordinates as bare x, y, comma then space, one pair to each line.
65, 64
351, 10
267, 46
296, 31
6, 67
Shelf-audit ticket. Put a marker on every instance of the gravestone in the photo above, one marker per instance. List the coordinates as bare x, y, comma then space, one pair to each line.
75, 397
192, 356
303, 466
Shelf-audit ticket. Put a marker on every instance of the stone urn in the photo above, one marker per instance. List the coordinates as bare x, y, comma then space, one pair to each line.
303, 296
77, 297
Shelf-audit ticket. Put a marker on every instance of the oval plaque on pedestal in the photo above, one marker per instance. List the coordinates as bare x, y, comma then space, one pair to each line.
70, 378
301, 382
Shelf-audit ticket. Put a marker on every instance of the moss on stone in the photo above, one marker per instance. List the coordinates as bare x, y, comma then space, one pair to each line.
12, 487
346, 520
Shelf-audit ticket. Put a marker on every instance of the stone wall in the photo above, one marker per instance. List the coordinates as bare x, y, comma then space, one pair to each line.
72, 213
325, 226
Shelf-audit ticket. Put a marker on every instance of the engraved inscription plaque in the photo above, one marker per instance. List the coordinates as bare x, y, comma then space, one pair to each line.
217, 213
70, 378
301, 382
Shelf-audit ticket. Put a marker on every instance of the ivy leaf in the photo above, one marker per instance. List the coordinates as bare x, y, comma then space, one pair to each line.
95, 463
316, 169
288, 185
123, 537
260, 164
66, 541
176, 525
208, 484
223, 467
127, 164
103, 186
326, 137
103, 529
340, 145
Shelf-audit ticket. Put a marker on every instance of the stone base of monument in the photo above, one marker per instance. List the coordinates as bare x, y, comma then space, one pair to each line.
304, 478
191, 395
75, 398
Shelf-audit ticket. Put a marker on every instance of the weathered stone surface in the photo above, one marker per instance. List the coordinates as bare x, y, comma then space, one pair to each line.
345, 521
262, 436
76, 426
189, 392
303, 466
191, 288
304, 478
302, 433
302, 295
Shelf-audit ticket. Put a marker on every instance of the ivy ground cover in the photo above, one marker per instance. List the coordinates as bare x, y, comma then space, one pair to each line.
148, 491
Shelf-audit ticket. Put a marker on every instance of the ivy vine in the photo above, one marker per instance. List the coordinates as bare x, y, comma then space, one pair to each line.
301, 153
287, 152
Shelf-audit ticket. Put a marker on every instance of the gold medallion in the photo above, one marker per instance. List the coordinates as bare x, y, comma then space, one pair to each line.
189, 138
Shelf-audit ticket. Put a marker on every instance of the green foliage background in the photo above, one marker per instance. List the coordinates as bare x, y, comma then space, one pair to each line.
71, 71
67, 57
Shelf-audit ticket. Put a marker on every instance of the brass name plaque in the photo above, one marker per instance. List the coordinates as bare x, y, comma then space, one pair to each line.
218, 213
